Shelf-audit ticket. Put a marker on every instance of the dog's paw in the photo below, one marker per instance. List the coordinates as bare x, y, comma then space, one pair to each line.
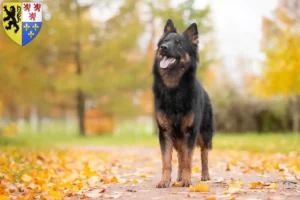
186, 183
163, 184
179, 179
205, 177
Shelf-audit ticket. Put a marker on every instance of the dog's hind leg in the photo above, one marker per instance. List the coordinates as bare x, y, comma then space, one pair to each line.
180, 165
204, 160
205, 137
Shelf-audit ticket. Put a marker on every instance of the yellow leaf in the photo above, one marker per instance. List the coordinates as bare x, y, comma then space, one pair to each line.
177, 184
195, 169
143, 175
136, 180
201, 187
88, 172
105, 180
254, 185
114, 179
26, 178
3, 197
55, 195
272, 186
233, 188
92, 181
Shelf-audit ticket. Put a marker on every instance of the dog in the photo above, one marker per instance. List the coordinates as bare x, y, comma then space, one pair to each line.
183, 110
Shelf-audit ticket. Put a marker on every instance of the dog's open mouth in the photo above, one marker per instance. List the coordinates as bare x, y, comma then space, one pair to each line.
166, 62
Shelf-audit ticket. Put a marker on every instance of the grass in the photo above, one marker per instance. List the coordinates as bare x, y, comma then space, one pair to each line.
270, 143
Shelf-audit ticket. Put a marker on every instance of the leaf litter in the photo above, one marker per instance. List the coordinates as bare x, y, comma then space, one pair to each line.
80, 173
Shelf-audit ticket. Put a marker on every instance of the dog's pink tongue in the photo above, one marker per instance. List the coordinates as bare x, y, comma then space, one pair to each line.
166, 62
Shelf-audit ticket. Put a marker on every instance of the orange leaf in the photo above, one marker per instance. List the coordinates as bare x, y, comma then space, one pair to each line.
3, 197
210, 198
201, 187
114, 179
177, 184
55, 195
254, 185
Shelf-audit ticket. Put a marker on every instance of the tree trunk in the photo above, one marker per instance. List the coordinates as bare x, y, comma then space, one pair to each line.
81, 110
295, 113
80, 97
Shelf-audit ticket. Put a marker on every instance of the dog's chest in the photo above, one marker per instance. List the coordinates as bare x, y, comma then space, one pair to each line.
176, 104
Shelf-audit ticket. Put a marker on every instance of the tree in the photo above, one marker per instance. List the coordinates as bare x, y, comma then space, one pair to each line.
281, 45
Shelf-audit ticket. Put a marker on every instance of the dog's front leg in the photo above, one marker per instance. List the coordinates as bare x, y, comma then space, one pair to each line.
187, 156
166, 146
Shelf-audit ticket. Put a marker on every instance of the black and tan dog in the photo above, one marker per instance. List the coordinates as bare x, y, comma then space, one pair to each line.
183, 110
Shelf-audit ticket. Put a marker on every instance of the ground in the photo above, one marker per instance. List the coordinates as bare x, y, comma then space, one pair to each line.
254, 173
132, 172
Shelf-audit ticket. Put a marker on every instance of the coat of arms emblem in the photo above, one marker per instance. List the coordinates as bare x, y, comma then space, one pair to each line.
22, 21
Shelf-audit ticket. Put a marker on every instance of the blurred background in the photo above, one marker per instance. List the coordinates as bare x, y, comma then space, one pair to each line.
88, 72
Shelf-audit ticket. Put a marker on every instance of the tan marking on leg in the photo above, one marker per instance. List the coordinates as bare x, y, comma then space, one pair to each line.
178, 144
167, 166
184, 154
187, 165
204, 159
163, 121
165, 124
187, 121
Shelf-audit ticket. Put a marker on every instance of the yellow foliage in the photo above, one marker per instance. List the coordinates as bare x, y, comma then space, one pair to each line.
280, 74
201, 187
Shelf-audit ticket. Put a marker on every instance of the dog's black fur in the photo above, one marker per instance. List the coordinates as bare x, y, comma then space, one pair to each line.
183, 110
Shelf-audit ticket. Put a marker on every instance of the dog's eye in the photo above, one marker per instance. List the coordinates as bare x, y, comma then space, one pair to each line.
178, 43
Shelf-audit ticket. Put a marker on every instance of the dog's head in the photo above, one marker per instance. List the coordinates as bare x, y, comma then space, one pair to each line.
177, 50
176, 55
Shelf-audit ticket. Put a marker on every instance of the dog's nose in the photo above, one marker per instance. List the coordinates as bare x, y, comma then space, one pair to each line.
164, 47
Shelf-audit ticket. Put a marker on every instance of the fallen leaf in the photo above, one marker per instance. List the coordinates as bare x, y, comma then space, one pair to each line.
113, 196
227, 167
233, 188
210, 198
256, 185
177, 184
92, 181
114, 179
3, 197
201, 187
195, 169
55, 195
137, 180
272, 186
93, 194
26, 178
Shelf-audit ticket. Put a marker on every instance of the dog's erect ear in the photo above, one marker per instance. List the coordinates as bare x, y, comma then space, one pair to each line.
169, 28
192, 33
